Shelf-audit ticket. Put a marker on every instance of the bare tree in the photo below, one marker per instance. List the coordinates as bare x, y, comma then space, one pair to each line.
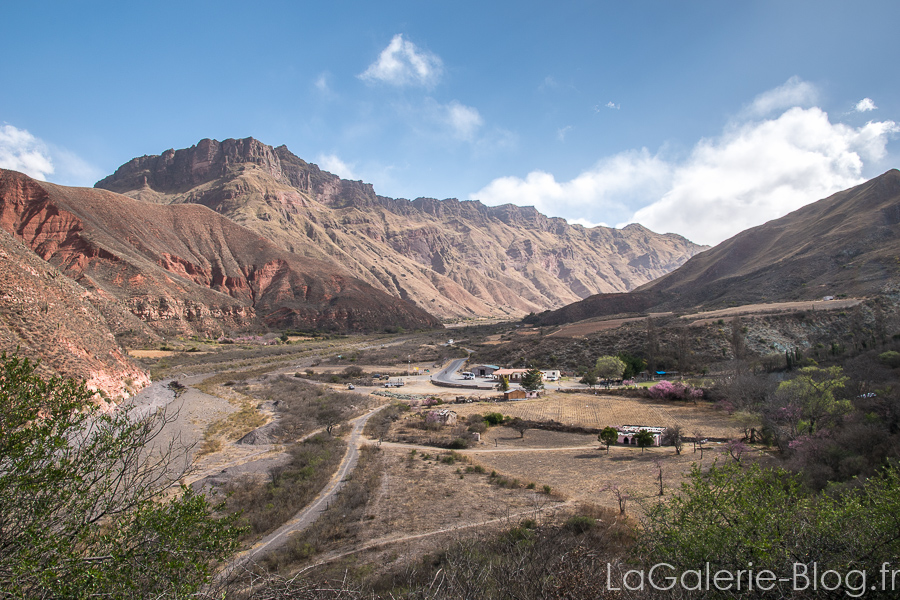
674, 435
621, 496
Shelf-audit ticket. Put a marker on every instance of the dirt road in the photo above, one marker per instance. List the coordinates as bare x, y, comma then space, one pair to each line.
310, 513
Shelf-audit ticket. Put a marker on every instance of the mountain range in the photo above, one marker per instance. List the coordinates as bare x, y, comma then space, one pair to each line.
454, 259
238, 236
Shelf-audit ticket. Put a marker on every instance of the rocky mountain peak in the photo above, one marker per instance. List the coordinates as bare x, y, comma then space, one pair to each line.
176, 170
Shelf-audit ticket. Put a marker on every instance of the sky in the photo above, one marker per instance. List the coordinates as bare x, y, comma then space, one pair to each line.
701, 118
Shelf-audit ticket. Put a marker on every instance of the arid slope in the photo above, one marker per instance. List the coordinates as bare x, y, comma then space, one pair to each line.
845, 245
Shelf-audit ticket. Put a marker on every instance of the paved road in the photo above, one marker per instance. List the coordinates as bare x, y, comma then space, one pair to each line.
310, 513
446, 375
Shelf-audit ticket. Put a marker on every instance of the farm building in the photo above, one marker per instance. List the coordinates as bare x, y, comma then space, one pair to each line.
515, 395
443, 416
484, 370
511, 374
628, 434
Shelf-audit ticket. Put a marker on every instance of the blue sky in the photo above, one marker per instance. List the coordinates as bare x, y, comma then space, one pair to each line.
701, 118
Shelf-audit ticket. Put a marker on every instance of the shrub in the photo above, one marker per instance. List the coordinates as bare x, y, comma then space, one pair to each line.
580, 524
493, 419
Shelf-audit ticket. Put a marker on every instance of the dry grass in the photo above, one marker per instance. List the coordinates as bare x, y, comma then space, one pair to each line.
231, 428
590, 411
583, 474
150, 353
775, 307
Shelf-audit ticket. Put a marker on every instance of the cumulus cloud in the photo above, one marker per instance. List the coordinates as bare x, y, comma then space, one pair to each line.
759, 171
759, 168
609, 191
402, 63
21, 151
613, 105
793, 93
333, 164
865, 105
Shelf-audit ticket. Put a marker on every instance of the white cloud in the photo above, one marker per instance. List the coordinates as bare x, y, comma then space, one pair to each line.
403, 63
333, 164
562, 131
613, 105
758, 171
609, 191
322, 84
759, 168
865, 105
794, 92
464, 121
21, 151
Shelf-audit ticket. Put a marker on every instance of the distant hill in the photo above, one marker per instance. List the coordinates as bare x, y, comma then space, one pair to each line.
186, 269
452, 258
847, 244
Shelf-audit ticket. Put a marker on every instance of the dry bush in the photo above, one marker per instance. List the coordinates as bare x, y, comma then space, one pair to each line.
340, 523
264, 506
301, 406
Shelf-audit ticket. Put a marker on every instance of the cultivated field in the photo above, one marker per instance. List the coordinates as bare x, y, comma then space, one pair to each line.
587, 410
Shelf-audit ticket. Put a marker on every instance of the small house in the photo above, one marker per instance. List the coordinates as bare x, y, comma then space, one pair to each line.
551, 374
515, 395
510, 374
628, 434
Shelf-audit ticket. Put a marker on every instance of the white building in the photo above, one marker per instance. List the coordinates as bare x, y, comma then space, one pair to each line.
628, 434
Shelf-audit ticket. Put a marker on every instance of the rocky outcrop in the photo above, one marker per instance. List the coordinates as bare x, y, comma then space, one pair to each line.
452, 258
47, 317
187, 270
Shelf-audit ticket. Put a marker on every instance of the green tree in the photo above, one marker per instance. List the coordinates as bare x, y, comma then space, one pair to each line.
532, 380
609, 436
813, 390
742, 514
503, 384
644, 439
589, 379
633, 365
610, 367
83, 499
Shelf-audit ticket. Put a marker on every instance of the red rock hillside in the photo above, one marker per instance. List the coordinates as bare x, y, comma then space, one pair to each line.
184, 269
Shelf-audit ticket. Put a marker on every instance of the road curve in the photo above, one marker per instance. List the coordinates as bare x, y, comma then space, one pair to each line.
447, 372
311, 512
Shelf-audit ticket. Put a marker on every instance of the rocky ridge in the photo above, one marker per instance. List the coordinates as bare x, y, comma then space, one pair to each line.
452, 258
